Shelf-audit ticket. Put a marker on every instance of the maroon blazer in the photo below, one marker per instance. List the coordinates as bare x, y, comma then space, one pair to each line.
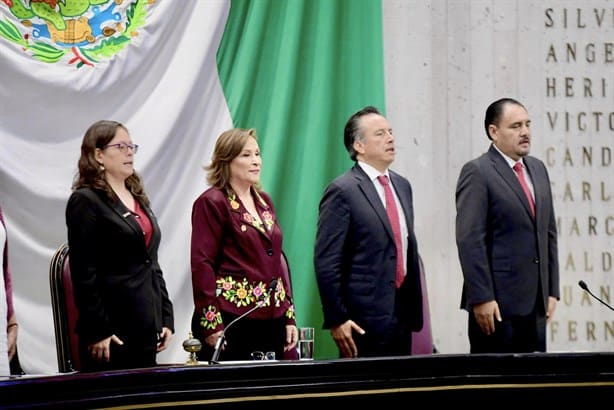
234, 260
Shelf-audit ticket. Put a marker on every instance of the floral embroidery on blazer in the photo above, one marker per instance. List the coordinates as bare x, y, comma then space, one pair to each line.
242, 293
249, 218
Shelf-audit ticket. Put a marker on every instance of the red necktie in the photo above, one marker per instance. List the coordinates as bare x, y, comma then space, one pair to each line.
518, 168
393, 216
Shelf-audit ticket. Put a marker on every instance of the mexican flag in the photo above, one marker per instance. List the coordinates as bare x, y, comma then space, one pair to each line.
177, 74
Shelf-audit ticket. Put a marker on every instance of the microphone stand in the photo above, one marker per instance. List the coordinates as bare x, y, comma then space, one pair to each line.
220, 340
584, 286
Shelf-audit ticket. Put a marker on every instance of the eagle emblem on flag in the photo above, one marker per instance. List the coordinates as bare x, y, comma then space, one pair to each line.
80, 32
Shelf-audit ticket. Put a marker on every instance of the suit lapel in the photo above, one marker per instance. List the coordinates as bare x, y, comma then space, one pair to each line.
155, 234
368, 190
125, 215
403, 196
237, 207
509, 176
539, 183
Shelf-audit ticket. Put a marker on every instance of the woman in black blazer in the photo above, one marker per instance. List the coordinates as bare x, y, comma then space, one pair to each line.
125, 314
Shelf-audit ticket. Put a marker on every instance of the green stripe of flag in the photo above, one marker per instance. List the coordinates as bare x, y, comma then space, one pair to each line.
296, 70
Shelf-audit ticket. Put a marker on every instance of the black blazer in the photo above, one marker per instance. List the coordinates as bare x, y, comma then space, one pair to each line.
505, 253
355, 257
118, 284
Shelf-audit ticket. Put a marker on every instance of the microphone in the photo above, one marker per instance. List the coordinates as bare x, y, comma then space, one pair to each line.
583, 285
259, 304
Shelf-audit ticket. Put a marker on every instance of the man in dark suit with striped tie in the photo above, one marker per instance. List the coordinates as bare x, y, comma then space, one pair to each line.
367, 268
506, 238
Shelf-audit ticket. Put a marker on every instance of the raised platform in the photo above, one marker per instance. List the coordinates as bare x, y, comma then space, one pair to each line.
439, 379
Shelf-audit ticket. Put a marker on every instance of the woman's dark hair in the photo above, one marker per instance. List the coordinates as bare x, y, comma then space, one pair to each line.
91, 174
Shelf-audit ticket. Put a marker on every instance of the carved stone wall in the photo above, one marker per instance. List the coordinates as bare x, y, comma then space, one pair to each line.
446, 61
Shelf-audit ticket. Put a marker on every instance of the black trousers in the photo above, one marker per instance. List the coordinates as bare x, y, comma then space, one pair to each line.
515, 334
245, 337
372, 345
128, 356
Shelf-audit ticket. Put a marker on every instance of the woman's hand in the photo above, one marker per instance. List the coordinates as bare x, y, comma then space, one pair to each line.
101, 351
291, 337
165, 339
211, 340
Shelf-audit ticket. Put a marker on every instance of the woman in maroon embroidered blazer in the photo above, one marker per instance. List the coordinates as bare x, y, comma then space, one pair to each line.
236, 258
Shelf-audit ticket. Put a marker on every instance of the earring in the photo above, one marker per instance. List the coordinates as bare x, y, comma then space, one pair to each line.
101, 168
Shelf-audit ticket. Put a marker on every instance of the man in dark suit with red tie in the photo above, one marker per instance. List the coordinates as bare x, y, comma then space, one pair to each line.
507, 239
360, 253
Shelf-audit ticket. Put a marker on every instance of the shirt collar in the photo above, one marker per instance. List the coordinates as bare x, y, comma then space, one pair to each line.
509, 160
371, 172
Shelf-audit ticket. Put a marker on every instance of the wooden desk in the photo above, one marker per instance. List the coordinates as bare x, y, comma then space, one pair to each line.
552, 379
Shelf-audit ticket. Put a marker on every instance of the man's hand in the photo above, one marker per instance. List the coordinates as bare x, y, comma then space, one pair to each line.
485, 314
342, 335
551, 308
